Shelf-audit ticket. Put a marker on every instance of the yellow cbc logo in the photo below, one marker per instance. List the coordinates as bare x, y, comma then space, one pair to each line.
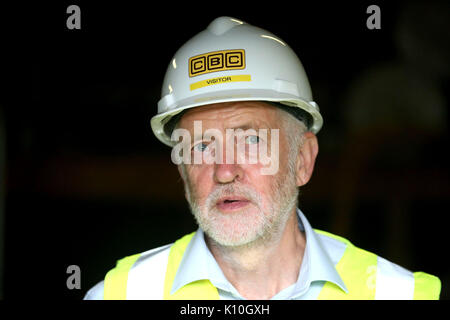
216, 61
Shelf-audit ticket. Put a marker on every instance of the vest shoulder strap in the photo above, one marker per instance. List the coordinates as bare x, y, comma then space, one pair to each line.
138, 277
115, 285
197, 290
368, 276
426, 286
357, 268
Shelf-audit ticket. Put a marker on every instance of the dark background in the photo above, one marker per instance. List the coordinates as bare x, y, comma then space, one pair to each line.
85, 182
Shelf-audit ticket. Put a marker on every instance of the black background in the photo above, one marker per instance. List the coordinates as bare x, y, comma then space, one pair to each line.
87, 183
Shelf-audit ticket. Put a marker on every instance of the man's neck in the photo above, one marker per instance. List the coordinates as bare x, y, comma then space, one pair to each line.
261, 270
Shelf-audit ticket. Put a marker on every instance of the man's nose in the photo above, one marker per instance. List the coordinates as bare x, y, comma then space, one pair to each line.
226, 173
227, 170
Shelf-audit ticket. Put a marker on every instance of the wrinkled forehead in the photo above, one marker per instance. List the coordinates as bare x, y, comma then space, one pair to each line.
233, 115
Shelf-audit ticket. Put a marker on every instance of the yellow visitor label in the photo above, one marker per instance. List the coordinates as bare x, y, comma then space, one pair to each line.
219, 80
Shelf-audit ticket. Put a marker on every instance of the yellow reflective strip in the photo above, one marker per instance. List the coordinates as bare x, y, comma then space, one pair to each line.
115, 285
198, 290
358, 269
220, 80
426, 286
175, 256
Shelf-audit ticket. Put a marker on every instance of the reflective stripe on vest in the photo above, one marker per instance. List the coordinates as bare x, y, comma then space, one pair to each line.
365, 275
357, 268
197, 290
115, 286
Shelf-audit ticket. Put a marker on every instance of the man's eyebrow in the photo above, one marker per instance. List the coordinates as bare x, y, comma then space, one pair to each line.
243, 127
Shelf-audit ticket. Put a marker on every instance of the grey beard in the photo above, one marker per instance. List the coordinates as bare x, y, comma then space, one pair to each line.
272, 224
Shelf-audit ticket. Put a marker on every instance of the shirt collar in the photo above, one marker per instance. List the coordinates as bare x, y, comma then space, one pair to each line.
316, 264
191, 270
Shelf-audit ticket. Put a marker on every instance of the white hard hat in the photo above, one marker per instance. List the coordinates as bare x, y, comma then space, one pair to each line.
233, 61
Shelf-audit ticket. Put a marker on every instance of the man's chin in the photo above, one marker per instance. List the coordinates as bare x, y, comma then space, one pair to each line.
231, 240
234, 229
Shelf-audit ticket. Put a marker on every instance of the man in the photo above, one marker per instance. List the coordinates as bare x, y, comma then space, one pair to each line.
237, 109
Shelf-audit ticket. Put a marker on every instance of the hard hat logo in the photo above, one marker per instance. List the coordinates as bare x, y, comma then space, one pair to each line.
216, 61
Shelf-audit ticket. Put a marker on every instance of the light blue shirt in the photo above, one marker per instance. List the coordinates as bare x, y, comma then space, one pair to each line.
317, 267
321, 254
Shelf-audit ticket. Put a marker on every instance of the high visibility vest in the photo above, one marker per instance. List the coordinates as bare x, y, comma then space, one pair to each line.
365, 275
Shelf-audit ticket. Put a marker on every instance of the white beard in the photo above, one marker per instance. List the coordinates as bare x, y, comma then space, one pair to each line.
246, 227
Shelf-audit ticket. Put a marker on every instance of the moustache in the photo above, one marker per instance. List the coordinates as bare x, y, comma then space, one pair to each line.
231, 191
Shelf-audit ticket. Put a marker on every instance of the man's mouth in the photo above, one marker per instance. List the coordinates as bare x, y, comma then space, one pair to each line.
231, 203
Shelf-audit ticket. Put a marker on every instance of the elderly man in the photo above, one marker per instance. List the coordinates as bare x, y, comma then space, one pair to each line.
237, 109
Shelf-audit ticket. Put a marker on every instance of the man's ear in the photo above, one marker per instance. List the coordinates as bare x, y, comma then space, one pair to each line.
306, 158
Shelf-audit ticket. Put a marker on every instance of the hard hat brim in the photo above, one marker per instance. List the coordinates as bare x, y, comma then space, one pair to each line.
159, 121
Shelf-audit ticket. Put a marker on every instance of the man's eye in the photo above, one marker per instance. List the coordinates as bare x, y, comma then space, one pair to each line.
251, 139
201, 147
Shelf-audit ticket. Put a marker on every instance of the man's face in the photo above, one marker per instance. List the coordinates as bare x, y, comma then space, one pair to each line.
233, 202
